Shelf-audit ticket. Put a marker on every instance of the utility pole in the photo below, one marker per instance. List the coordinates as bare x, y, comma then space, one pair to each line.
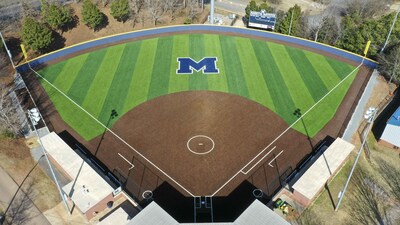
291, 19
212, 11
8, 51
341, 194
50, 167
391, 29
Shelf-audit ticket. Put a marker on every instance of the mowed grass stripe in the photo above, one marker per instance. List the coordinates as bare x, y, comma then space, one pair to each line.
180, 48
255, 82
198, 80
161, 68
118, 90
216, 82
72, 115
331, 102
86, 75
233, 69
139, 86
68, 74
325, 71
98, 91
283, 102
310, 77
297, 89
341, 69
52, 72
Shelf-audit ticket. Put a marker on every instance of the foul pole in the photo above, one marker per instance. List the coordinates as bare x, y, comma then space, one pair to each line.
212, 11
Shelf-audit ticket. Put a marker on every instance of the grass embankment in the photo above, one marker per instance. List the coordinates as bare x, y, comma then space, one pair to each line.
322, 211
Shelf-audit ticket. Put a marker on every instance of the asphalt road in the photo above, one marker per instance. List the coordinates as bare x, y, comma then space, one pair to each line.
232, 6
22, 209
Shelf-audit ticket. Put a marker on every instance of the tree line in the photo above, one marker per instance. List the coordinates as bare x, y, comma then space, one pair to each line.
39, 29
347, 25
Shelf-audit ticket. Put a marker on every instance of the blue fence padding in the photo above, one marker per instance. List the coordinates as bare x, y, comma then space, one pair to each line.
189, 28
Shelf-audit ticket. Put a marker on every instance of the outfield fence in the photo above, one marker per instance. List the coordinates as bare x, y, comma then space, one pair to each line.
65, 52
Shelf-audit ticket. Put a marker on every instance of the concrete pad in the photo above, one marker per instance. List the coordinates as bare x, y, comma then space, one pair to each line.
87, 188
314, 179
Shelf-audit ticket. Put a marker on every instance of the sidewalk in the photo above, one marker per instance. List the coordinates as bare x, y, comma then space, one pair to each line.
358, 114
22, 209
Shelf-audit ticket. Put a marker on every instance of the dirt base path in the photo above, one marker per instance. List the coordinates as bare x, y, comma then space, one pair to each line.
200, 139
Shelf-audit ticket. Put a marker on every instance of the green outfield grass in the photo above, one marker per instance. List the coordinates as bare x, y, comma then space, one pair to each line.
121, 77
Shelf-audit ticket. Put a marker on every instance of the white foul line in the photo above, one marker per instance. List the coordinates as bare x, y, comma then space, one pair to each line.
126, 161
112, 132
287, 129
274, 159
257, 161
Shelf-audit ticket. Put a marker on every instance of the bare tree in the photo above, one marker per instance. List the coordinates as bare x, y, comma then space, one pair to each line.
28, 10
172, 7
390, 63
136, 7
155, 9
9, 120
391, 176
308, 217
315, 23
369, 202
366, 8
193, 8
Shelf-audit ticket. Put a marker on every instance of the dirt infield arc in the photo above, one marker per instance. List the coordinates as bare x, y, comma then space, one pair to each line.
240, 129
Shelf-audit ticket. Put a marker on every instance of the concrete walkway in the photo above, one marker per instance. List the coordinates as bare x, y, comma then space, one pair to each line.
22, 209
358, 114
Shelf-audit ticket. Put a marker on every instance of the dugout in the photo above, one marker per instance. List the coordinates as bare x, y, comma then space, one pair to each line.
313, 180
88, 191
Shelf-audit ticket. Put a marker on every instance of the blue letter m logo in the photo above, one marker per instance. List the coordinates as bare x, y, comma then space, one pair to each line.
207, 64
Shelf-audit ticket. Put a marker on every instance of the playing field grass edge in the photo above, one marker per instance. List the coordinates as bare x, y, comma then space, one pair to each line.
130, 74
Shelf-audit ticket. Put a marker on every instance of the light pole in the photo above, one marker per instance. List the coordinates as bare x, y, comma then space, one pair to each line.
212, 12
113, 114
8, 51
48, 162
298, 114
391, 29
291, 19
341, 194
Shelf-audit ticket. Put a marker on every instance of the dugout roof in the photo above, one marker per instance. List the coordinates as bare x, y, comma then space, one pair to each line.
327, 164
87, 187
257, 213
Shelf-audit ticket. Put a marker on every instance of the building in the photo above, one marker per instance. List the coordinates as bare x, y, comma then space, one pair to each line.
262, 20
87, 189
310, 184
391, 135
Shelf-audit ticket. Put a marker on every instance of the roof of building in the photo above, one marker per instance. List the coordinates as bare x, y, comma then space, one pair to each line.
391, 134
262, 17
87, 187
153, 214
257, 213
395, 118
314, 179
